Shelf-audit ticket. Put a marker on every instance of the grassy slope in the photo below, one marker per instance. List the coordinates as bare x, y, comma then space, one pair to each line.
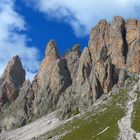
92, 123
136, 115
90, 129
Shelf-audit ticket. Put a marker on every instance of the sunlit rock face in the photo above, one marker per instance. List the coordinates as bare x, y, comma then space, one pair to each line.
118, 40
50, 82
71, 61
133, 42
11, 81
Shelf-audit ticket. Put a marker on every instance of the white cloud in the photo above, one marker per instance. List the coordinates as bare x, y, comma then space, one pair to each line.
13, 42
82, 15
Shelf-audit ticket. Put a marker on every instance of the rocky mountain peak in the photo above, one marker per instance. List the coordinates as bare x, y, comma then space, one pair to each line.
118, 20
76, 48
84, 68
14, 72
52, 51
71, 61
51, 57
11, 81
118, 40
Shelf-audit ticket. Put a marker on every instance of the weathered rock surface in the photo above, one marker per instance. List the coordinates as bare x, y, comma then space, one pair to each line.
118, 40
18, 113
52, 80
11, 81
71, 61
133, 41
71, 84
50, 62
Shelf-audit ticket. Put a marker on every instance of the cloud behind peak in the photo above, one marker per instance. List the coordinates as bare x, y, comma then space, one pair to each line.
84, 14
13, 42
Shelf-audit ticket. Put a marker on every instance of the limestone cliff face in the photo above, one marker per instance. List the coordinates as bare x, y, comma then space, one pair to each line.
71, 84
118, 40
133, 42
51, 59
114, 46
71, 61
51, 80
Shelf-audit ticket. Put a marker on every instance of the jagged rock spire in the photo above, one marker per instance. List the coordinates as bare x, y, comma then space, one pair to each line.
11, 81
52, 81
52, 51
51, 57
118, 40
51, 70
133, 42
71, 61
84, 67
15, 72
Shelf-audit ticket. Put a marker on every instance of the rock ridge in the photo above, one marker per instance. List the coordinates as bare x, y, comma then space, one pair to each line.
73, 82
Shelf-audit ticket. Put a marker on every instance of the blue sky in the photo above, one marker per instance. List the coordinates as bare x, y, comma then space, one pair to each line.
41, 30
27, 26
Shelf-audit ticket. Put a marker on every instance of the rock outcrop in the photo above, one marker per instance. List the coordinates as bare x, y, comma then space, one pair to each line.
133, 42
71, 61
52, 80
73, 83
119, 41
11, 81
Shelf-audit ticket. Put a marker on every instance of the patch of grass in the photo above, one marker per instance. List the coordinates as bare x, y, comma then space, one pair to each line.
136, 115
90, 126
91, 129
134, 79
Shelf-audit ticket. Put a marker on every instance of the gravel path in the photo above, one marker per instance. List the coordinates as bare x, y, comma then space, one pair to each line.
126, 132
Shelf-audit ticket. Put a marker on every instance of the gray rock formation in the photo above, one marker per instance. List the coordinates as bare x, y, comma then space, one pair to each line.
51, 80
11, 81
71, 61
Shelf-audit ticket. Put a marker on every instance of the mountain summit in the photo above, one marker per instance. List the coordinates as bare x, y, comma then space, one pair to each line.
11, 81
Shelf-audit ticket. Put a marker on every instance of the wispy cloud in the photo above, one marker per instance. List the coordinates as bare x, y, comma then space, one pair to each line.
13, 41
82, 15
